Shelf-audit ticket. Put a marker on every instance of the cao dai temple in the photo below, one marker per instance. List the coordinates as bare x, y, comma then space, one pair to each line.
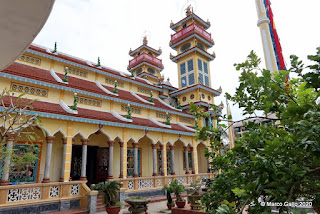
102, 124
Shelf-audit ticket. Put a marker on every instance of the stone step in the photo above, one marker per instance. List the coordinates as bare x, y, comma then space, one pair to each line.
72, 211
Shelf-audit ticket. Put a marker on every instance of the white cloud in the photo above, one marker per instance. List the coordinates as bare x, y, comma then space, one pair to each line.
92, 28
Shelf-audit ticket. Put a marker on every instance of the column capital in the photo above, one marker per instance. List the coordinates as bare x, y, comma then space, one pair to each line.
135, 145
161, 146
111, 143
11, 136
85, 141
171, 147
154, 146
64, 140
50, 139
185, 148
121, 144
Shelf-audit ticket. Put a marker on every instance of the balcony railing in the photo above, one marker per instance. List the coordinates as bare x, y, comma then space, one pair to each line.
158, 182
15, 195
187, 31
144, 57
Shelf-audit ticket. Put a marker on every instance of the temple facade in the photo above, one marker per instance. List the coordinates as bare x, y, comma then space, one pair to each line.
103, 124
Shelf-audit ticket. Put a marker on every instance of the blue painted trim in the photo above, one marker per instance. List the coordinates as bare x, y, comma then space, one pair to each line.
175, 59
169, 87
91, 69
23, 79
174, 94
145, 63
189, 37
102, 122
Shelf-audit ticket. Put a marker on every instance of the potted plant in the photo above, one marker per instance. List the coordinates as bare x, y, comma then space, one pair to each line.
170, 202
138, 205
177, 189
195, 195
110, 190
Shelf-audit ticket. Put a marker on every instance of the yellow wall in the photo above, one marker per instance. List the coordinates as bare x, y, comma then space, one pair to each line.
202, 160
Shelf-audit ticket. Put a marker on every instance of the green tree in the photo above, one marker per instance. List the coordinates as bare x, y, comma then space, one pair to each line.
15, 119
274, 162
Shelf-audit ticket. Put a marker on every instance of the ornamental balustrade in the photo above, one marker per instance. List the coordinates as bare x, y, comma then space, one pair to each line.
144, 57
13, 195
187, 31
158, 182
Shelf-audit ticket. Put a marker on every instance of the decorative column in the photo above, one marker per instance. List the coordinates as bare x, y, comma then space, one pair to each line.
6, 166
192, 160
154, 159
186, 159
110, 166
173, 172
83, 176
46, 177
135, 150
162, 160
64, 141
121, 159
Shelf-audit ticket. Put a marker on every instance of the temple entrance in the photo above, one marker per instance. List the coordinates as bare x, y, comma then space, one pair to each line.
97, 163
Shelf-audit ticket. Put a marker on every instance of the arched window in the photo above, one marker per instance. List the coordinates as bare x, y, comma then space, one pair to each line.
138, 53
150, 53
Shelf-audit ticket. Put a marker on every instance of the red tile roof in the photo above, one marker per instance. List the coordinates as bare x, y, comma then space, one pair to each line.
83, 62
34, 73
53, 108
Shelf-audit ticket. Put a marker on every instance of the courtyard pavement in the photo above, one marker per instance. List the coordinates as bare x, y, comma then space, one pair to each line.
153, 208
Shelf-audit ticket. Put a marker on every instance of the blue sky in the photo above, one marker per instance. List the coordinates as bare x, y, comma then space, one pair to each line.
108, 29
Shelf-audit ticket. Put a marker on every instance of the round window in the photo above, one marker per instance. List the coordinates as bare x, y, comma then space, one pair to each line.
203, 96
192, 96
185, 47
184, 99
209, 98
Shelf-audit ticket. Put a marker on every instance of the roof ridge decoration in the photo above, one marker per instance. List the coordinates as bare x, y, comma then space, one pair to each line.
50, 52
65, 107
159, 123
119, 117
186, 127
55, 76
91, 68
140, 98
104, 89
164, 103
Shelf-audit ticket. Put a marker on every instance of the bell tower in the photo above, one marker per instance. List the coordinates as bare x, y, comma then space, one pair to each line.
192, 41
145, 63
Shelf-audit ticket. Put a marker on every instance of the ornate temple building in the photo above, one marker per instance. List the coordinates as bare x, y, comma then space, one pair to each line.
103, 124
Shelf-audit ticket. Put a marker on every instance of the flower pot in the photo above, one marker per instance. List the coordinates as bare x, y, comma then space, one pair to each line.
170, 206
138, 205
113, 210
181, 204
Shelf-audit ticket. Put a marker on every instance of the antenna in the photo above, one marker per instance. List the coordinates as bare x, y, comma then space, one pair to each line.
191, 4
